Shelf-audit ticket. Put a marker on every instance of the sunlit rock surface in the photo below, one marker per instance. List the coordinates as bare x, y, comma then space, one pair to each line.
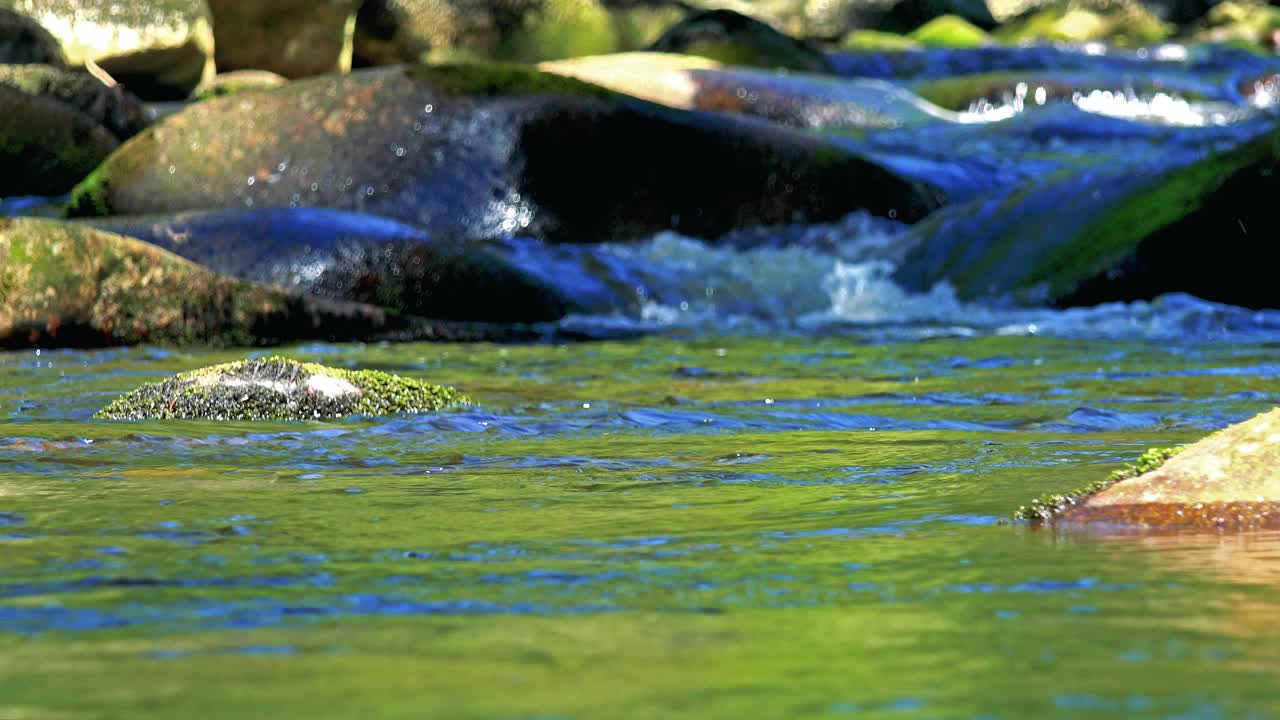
803, 100
348, 256
294, 38
67, 285
277, 388
476, 151
23, 40
159, 49
1230, 479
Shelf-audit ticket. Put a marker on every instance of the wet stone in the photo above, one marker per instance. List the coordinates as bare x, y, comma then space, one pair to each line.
1229, 480
278, 388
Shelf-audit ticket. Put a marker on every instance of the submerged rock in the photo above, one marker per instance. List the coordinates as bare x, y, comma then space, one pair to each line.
347, 256
277, 388
1230, 479
159, 49
64, 285
23, 40
293, 38
735, 39
478, 151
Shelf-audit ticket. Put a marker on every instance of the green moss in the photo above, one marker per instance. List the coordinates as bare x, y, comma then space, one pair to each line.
950, 31
89, 198
1117, 233
1047, 507
276, 388
877, 41
561, 29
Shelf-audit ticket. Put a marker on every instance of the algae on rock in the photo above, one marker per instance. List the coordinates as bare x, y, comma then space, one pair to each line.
277, 388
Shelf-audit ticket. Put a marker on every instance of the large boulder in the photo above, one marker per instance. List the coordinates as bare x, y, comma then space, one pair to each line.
278, 388
347, 256
491, 151
159, 49
735, 39
294, 38
23, 40
1117, 22
68, 285
1230, 480
1120, 229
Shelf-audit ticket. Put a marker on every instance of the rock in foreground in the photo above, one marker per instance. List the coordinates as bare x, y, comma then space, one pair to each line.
277, 388
1230, 479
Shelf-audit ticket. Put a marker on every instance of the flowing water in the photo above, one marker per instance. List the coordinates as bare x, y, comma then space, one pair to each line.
783, 524
787, 495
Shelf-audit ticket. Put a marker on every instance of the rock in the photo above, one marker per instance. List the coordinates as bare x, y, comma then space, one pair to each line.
950, 31
396, 31
1124, 23
46, 145
876, 41
1115, 230
837, 18
813, 102
489, 151
67, 285
1230, 479
293, 38
278, 388
114, 108
735, 39
1241, 23
159, 49
346, 256
23, 40
236, 81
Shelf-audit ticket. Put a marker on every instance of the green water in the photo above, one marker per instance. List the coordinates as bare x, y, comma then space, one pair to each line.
736, 528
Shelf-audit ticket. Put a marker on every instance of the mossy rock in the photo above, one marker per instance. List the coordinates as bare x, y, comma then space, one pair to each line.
23, 40
1243, 24
396, 31
1228, 480
1113, 230
353, 257
735, 39
877, 41
486, 151
822, 103
115, 108
68, 285
950, 31
293, 38
1125, 23
277, 388
159, 49
238, 81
